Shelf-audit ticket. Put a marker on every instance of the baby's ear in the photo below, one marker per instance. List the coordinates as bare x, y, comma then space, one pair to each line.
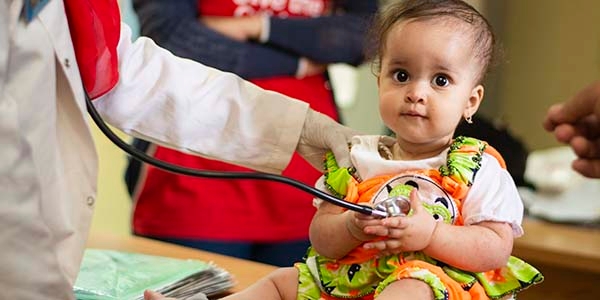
474, 100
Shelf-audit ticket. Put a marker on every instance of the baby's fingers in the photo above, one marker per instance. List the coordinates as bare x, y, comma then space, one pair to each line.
368, 223
385, 246
377, 229
362, 216
396, 222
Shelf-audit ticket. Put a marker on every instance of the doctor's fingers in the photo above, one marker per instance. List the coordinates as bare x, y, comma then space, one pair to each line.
585, 102
589, 127
550, 122
564, 133
585, 148
587, 167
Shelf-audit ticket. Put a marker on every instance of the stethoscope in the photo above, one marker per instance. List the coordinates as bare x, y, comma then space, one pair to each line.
393, 206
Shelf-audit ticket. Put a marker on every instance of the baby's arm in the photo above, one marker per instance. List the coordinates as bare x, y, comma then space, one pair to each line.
334, 232
479, 247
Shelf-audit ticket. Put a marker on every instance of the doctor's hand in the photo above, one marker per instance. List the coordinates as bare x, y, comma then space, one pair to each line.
404, 233
577, 123
151, 295
321, 134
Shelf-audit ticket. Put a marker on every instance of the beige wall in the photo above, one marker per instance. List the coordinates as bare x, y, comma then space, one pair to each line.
113, 206
552, 49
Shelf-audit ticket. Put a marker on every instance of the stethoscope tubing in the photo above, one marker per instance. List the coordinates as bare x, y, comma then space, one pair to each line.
142, 156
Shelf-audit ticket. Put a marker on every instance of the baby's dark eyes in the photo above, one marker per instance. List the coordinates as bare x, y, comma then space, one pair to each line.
400, 76
441, 80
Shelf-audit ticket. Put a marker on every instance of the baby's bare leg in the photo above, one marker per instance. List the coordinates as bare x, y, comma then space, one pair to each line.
412, 289
281, 284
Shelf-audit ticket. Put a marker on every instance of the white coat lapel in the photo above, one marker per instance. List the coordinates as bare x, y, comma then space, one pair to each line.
58, 30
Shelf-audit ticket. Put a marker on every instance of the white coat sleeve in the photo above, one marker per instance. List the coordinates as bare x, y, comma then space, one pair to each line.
185, 105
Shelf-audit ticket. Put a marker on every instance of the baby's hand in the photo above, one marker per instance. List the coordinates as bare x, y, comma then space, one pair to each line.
405, 233
357, 222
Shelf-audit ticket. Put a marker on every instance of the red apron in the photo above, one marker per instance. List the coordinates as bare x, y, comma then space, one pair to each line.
241, 210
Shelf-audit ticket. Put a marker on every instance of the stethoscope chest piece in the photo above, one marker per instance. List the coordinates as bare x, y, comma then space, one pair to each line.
394, 206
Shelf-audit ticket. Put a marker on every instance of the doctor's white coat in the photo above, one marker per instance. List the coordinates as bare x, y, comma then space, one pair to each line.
48, 164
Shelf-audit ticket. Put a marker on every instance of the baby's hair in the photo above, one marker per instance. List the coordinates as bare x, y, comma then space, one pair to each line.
484, 40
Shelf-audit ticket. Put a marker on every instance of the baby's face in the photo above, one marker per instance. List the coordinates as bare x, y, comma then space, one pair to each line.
427, 80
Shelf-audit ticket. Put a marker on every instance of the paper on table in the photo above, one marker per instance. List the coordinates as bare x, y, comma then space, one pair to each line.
108, 274
561, 194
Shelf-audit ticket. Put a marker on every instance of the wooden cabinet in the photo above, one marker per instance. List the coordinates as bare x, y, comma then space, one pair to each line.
568, 256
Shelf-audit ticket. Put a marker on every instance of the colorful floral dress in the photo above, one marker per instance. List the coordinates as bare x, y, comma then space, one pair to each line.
445, 194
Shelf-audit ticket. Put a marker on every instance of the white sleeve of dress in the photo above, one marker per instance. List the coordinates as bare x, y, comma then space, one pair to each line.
320, 185
493, 197
185, 105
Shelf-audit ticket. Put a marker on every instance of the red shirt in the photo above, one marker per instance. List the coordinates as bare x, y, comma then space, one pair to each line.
176, 206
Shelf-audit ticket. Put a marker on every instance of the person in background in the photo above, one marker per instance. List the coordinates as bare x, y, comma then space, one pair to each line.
455, 239
576, 122
513, 149
283, 46
54, 54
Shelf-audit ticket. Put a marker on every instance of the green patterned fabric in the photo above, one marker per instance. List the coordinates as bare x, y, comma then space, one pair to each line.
356, 280
461, 163
336, 178
514, 277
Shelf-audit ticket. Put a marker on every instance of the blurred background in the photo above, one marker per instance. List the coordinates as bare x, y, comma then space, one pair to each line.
551, 50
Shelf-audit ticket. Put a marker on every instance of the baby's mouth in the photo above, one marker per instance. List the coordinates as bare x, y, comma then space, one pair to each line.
413, 114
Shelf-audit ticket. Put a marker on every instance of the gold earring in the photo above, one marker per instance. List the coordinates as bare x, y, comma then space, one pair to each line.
469, 119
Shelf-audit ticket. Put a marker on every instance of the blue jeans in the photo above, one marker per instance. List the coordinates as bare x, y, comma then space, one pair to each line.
283, 254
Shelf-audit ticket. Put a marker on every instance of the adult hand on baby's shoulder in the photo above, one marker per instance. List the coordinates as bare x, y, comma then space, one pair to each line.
322, 134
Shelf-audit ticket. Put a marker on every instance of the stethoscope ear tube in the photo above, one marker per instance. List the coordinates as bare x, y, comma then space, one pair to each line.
140, 155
